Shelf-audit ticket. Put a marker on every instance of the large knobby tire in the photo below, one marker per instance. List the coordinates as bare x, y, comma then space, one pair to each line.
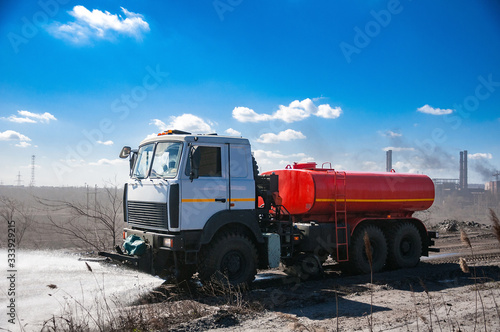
378, 243
305, 266
405, 245
231, 257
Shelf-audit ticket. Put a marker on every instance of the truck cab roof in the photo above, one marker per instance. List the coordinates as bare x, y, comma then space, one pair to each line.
176, 135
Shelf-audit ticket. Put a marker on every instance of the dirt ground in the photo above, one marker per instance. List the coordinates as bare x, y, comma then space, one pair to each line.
434, 296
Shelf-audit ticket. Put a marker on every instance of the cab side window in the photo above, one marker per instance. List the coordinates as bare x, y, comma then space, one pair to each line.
207, 160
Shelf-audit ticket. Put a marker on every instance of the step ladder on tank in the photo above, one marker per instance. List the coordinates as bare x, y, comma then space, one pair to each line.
340, 215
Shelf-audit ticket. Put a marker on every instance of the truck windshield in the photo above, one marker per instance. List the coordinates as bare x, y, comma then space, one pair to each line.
166, 160
144, 158
163, 161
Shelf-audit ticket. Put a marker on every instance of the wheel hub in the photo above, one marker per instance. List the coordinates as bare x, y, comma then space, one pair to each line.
405, 247
232, 263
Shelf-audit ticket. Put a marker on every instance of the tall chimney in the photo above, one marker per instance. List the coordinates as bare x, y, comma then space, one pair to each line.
466, 184
388, 160
461, 178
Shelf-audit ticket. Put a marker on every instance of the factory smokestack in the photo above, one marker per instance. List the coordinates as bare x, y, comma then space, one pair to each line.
463, 182
388, 163
461, 178
466, 182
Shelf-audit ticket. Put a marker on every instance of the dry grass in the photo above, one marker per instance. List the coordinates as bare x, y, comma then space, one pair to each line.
465, 239
477, 294
369, 256
222, 292
496, 224
463, 265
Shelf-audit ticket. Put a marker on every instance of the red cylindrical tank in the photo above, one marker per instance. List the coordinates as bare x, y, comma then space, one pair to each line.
312, 192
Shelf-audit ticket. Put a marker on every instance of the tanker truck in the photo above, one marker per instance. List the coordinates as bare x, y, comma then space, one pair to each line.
197, 203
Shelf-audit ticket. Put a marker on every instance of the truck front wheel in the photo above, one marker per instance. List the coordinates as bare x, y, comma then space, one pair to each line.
378, 247
230, 257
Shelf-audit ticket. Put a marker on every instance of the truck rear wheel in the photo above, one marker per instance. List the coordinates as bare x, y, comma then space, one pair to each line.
230, 257
405, 246
378, 243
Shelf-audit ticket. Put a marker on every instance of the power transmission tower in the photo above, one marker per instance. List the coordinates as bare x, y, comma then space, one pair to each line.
19, 181
32, 183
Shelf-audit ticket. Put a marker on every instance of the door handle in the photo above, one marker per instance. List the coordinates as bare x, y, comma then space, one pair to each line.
222, 200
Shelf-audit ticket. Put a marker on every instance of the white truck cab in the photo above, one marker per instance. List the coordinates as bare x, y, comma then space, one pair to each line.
179, 181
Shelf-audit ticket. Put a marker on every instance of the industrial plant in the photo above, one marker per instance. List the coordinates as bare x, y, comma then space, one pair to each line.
453, 187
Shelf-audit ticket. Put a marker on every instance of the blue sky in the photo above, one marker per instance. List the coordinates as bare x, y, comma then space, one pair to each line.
327, 81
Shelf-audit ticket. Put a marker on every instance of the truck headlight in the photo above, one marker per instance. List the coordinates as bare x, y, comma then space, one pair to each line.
168, 242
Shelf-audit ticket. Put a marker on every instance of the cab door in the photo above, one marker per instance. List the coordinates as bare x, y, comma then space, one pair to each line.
241, 182
204, 184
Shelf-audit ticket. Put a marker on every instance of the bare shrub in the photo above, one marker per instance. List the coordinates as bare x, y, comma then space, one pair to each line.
95, 223
23, 215
232, 295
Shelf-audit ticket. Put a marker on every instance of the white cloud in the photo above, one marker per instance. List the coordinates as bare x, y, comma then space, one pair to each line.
296, 111
190, 123
232, 132
45, 117
263, 154
434, 111
272, 159
11, 135
97, 24
105, 142
17, 119
23, 144
245, 114
398, 149
151, 135
327, 112
108, 162
187, 122
480, 156
160, 124
392, 134
282, 136
30, 117
370, 166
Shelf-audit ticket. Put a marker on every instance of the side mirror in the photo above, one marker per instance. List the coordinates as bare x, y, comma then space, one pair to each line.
193, 165
125, 152
133, 157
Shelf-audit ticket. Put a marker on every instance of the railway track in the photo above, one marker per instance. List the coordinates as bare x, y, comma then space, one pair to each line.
481, 257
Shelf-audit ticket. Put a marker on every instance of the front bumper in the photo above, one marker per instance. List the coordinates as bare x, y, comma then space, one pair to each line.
161, 253
159, 241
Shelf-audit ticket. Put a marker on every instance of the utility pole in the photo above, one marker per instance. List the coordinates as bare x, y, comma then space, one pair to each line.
95, 201
87, 190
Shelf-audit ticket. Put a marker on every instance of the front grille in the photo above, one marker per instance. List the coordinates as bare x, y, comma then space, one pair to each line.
147, 214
